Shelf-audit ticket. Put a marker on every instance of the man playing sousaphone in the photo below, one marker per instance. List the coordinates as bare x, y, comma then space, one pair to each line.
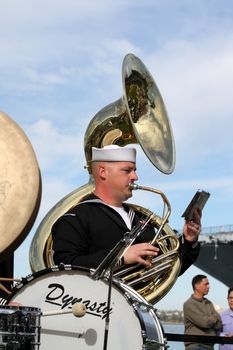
88, 223
87, 232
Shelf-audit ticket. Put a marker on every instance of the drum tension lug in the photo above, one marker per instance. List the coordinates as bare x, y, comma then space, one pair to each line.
153, 344
136, 302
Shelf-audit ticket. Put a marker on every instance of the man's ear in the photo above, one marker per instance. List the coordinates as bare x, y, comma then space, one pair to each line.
102, 172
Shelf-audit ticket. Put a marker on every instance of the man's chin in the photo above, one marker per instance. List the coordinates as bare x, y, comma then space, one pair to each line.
128, 195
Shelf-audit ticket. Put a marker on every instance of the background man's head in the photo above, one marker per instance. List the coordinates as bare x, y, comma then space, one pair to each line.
200, 285
230, 297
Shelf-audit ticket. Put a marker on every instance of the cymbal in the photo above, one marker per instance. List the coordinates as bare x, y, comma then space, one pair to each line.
20, 185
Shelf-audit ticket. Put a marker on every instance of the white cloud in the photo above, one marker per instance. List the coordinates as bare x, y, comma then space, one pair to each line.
54, 146
53, 13
211, 183
196, 80
39, 78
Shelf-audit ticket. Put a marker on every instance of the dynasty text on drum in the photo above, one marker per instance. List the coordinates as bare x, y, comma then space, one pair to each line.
58, 296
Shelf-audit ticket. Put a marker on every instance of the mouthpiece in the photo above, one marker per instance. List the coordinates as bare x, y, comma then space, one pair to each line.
133, 186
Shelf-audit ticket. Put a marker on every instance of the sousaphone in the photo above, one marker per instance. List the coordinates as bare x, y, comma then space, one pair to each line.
140, 117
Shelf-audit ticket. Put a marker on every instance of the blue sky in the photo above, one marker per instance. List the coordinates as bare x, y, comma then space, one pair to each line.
61, 63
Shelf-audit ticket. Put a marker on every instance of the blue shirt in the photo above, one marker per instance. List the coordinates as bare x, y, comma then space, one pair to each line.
227, 324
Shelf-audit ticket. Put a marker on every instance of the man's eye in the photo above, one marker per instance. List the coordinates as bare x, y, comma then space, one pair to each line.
129, 170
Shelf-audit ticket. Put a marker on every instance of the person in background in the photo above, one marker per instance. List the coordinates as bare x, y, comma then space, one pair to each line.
87, 232
4, 293
227, 321
200, 316
2, 301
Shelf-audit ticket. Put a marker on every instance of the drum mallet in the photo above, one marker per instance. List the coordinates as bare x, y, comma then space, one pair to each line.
77, 310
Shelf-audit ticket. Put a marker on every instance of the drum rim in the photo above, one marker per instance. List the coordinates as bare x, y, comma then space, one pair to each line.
69, 267
19, 308
56, 268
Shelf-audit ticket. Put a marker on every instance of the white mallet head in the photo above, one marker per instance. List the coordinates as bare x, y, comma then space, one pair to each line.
79, 309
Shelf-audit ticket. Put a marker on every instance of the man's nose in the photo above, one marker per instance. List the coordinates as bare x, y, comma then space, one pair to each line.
134, 176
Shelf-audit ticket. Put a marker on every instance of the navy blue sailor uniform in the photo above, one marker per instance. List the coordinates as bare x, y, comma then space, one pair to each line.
87, 232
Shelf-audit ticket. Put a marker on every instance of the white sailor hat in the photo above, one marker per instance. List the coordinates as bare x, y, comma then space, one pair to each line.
114, 153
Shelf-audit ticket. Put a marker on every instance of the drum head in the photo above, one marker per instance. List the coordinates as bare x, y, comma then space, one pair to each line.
54, 291
20, 185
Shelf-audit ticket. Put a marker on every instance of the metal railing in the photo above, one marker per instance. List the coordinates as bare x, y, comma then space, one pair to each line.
222, 233
217, 229
202, 339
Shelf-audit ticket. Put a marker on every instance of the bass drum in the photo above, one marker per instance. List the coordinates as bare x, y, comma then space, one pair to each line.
133, 323
20, 186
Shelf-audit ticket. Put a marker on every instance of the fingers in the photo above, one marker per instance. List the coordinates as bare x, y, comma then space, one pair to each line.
139, 253
195, 224
192, 225
191, 230
197, 216
145, 262
14, 303
147, 249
